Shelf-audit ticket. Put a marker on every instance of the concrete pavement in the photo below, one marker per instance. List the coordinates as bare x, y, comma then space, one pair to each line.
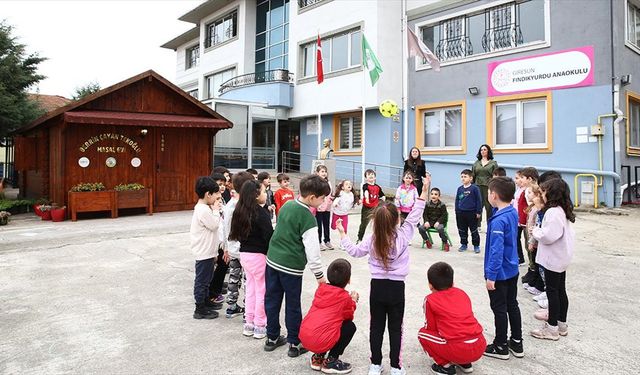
115, 296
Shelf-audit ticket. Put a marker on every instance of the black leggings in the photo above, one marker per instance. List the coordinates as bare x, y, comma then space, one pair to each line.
323, 218
347, 331
555, 284
386, 303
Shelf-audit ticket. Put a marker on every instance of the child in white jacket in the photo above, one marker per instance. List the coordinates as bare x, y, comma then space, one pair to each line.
343, 202
555, 238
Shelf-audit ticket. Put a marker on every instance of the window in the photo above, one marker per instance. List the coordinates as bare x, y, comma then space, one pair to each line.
339, 52
193, 93
214, 81
347, 129
520, 123
441, 128
222, 29
633, 124
272, 35
633, 24
494, 29
193, 57
305, 3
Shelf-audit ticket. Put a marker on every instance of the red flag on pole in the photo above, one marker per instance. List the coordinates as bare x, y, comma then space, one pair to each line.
320, 72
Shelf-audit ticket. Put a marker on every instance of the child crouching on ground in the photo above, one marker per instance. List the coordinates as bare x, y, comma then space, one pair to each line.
388, 250
328, 325
451, 334
204, 243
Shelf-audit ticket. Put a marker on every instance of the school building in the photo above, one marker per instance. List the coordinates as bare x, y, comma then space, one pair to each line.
551, 84
539, 84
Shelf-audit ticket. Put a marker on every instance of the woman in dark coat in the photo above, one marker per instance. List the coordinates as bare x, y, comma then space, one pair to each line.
416, 165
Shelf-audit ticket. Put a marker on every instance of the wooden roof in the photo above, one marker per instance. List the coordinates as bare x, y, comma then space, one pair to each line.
101, 101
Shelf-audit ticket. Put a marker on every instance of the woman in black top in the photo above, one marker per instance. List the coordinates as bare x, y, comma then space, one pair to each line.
416, 165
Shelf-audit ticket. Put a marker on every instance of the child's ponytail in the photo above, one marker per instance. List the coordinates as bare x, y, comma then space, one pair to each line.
385, 220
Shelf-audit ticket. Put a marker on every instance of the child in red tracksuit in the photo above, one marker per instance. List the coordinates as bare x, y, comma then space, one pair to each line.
328, 325
451, 334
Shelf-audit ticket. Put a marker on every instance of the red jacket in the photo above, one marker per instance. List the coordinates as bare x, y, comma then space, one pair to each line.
522, 205
449, 313
320, 329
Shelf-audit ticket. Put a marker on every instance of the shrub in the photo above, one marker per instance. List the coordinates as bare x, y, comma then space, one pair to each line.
88, 186
133, 186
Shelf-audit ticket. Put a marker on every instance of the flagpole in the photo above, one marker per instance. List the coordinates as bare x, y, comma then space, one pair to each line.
405, 83
363, 121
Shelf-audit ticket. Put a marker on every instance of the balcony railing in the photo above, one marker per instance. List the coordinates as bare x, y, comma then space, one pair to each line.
278, 75
306, 3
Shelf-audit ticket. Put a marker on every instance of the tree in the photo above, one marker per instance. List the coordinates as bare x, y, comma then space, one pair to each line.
18, 72
85, 90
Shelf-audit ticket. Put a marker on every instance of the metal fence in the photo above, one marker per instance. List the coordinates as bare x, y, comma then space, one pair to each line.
388, 176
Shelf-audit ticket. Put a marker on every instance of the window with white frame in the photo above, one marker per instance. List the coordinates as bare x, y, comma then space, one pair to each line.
488, 30
634, 124
350, 132
214, 81
192, 56
193, 93
222, 29
339, 52
633, 24
442, 128
520, 123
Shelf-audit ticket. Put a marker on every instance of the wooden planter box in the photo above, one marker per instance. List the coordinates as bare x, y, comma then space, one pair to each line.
92, 201
135, 199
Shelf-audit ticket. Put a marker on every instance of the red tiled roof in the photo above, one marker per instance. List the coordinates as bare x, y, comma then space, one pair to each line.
49, 102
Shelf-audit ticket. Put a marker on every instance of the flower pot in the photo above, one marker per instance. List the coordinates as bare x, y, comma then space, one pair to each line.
58, 214
4, 220
46, 215
37, 210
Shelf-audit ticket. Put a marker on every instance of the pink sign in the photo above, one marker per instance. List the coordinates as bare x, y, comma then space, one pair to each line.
555, 70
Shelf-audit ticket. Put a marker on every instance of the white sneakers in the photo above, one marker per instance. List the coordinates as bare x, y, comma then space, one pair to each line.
533, 290
375, 369
540, 296
547, 332
397, 371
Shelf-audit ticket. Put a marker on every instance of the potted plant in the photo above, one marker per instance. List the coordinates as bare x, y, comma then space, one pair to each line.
45, 211
36, 206
4, 217
58, 213
134, 195
91, 197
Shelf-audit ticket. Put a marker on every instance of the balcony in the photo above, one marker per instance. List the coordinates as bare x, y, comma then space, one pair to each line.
274, 87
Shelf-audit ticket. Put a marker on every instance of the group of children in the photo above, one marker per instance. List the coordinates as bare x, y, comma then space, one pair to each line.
241, 236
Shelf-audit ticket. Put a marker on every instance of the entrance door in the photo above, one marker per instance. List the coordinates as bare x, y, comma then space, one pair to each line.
171, 185
289, 140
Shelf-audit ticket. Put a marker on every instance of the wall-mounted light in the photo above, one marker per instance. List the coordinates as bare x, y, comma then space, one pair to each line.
625, 79
474, 90
143, 132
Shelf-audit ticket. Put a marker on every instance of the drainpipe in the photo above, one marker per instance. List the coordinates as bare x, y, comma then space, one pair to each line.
617, 197
405, 80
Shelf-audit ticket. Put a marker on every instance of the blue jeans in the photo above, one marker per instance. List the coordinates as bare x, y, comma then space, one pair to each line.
204, 274
279, 284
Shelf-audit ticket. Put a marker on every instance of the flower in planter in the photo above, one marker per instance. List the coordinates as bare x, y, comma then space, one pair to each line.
45, 207
88, 186
133, 186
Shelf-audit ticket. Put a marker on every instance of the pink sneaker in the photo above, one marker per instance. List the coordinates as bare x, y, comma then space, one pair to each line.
542, 314
547, 332
563, 328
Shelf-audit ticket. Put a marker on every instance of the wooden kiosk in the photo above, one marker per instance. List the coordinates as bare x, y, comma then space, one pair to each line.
144, 130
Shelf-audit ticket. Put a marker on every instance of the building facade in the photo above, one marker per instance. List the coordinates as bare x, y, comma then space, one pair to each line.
254, 61
539, 84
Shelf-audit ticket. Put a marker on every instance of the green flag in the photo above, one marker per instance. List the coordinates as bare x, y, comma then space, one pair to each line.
370, 61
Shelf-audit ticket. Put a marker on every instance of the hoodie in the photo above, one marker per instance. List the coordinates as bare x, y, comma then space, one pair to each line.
320, 329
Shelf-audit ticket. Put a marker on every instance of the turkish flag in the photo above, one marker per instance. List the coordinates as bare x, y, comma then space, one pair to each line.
319, 70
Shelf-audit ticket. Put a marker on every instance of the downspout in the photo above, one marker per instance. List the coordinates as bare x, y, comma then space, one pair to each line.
615, 104
405, 82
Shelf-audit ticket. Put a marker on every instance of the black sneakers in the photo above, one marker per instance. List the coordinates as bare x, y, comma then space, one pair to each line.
202, 312
271, 345
335, 366
467, 368
496, 351
296, 350
437, 369
515, 347
209, 305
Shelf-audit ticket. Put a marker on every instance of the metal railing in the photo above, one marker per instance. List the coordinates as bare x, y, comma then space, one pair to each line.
278, 75
388, 176
236, 157
306, 3
631, 189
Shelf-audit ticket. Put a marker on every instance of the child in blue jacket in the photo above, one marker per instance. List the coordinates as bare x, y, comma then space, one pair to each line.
468, 211
501, 269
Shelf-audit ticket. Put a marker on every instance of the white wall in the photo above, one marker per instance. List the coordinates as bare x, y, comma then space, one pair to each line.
382, 20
